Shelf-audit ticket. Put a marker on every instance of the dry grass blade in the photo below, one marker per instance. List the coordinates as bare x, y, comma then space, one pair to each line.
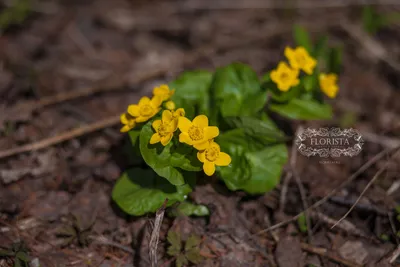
155, 234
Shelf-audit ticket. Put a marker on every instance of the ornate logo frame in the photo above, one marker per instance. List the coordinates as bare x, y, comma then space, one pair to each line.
350, 151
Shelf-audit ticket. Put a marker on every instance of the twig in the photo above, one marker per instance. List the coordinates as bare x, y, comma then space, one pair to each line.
373, 47
325, 253
364, 167
380, 139
361, 195
395, 255
393, 227
102, 240
108, 122
155, 234
359, 206
289, 175
344, 225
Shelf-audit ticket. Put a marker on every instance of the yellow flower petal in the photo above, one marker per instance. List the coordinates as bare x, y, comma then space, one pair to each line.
201, 120
201, 156
184, 138
167, 116
143, 118
211, 132
201, 146
160, 90
179, 112
155, 102
125, 129
156, 124
173, 125
288, 52
123, 118
134, 110
184, 124
209, 168
144, 101
155, 138
223, 159
166, 139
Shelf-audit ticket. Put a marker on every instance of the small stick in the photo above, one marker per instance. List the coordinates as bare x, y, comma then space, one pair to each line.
289, 175
325, 253
108, 122
361, 195
395, 255
102, 240
155, 234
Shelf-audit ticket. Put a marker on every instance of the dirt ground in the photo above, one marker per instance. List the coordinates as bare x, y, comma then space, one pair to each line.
74, 63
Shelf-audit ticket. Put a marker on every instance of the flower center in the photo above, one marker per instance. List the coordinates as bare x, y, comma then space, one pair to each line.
212, 153
146, 110
163, 130
196, 133
284, 76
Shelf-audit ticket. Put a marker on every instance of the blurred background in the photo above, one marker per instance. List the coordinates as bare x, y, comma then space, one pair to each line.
77, 64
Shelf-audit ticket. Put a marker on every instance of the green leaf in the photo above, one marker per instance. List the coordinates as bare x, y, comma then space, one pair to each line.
255, 168
18, 263
189, 209
335, 60
372, 21
302, 37
194, 256
192, 92
237, 90
6, 253
302, 223
164, 160
22, 256
174, 239
139, 191
310, 82
134, 136
192, 242
264, 130
303, 109
181, 261
320, 47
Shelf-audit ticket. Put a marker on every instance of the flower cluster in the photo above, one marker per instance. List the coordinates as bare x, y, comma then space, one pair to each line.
287, 76
146, 108
196, 133
200, 135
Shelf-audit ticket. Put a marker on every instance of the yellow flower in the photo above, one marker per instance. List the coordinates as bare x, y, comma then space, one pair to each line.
128, 121
328, 84
212, 156
300, 59
146, 109
197, 132
163, 92
285, 77
164, 128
